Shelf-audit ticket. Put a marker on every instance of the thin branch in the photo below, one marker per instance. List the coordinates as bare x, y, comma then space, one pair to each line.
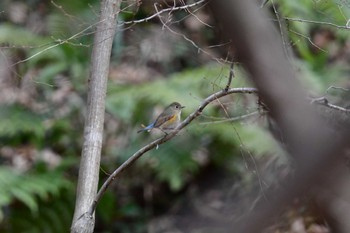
337, 88
317, 22
65, 13
263, 3
251, 157
230, 77
309, 39
324, 101
60, 42
238, 118
163, 11
199, 49
283, 37
191, 13
159, 141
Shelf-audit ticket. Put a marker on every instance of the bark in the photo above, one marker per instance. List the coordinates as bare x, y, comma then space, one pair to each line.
310, 141
93, 129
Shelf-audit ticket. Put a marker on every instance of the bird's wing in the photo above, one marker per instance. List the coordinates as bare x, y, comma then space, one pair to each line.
162, 119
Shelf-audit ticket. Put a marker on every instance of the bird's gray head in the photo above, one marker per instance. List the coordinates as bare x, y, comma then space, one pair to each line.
176, 106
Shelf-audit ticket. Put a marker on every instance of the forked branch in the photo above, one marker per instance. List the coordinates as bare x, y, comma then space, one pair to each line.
159, 141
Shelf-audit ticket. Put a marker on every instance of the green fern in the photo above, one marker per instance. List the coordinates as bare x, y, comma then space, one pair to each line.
27, 188
54, 215
188, 88
20, 37
16, 119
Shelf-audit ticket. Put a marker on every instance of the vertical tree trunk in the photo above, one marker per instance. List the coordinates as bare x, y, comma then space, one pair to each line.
314, 147
93, 130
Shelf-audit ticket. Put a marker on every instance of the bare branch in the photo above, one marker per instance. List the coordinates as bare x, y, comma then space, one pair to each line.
309, 140
309, 39
60, 42
324, 101
163, 11
317, 22
159, 141
282, 31
199, 49
337, 88
230, 77
238, 118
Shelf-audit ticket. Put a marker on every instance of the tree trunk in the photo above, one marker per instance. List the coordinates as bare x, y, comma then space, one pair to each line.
93, 130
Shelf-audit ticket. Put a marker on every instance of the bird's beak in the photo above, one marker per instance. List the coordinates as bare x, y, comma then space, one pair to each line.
182, 107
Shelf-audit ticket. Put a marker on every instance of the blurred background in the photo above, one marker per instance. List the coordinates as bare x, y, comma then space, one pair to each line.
220, 163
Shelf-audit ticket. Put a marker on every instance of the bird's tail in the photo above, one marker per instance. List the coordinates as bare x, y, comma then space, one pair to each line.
148, 128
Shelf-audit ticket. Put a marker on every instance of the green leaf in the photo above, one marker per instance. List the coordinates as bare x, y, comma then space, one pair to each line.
188, 87
18, 36
27, 198
5, 198
16, 119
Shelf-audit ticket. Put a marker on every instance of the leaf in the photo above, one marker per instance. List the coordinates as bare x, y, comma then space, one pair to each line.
18, 36
175, 163
16, 119
28, 187
187, 87
25, 197
5, 198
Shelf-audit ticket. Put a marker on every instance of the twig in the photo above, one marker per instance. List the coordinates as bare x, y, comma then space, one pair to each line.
64, 12
324, 101
199, 49
316, 22
309, 39
159, 141
337, 88
283, 38
230, 77
58, 43
263, 3
164, 10
238, 118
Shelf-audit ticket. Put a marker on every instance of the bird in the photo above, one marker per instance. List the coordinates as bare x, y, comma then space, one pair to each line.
168, 120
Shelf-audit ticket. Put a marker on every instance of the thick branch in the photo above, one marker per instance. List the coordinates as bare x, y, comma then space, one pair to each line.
164, 139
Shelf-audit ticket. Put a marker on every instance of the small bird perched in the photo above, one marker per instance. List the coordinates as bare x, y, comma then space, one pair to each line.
168, 120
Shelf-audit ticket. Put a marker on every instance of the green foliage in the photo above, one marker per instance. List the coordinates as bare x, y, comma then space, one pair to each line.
317, 43
35, 190
20, 37
54, 214
117, 214
50, 56
41, 200
300, 33
188, 87
17, 120
173, 162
